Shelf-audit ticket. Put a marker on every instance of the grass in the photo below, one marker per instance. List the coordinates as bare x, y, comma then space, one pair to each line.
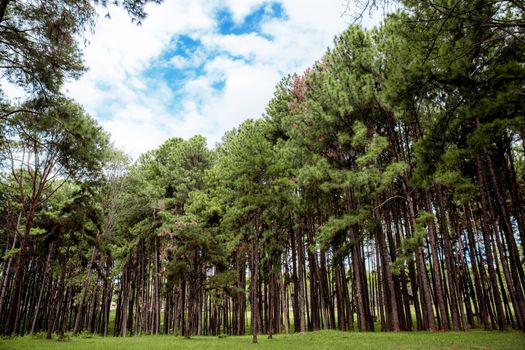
475, 339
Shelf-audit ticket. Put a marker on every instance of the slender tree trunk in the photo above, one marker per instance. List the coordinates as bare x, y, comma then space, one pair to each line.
301, 290
481, 297
389, 289
124, 303
516, 196
92, 310
360, 300
498, 246
6, 277
41, 292
286, 307
270, 306
80, 311
439, 291
58, 299
254, 284
517, 274
156, 299
295, 281
314, 281
421, 269
449, 258
488, 246
14, 309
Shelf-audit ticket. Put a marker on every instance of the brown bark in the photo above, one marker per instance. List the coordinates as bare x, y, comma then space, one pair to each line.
57, 299
92, 310
7, 276
301, 290
314, 276
156, 298
41, 292
449, 259
481, 297
516, 273
80, 310
438, 283
254, 283
421, 270
360, 298
124, 303
389, 289
488, 245
14, 308
285, 298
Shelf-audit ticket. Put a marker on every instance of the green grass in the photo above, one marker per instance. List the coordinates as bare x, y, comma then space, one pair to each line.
475, 339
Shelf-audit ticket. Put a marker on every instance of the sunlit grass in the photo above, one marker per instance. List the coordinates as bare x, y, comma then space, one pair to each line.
475, 339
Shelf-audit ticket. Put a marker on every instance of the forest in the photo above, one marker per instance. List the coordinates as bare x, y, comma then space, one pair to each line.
382, 190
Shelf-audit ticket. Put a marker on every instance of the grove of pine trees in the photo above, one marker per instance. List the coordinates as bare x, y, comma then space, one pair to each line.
382, 190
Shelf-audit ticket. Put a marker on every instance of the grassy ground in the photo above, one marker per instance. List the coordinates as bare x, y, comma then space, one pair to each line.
317, 340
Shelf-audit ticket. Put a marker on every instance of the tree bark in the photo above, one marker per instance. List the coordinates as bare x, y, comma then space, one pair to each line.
41, 292
300, 271
488, 245
14, 308
254, 284
449, 258
421, 269
6, 277
80, 310
439, 291
389, 285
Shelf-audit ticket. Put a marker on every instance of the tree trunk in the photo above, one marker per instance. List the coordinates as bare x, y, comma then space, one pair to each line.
517, 274
14, 307
41, 292
80, 310
389, 289
300, 271
254, 300
439, 291
124, 303
421, 269
449, 258
488, 245
6, 277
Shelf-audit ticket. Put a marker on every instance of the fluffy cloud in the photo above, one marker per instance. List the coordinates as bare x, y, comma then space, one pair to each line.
144, 86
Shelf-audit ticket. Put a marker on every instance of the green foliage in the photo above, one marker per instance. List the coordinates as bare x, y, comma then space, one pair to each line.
10, 253
40, 41
337, 225
67, 137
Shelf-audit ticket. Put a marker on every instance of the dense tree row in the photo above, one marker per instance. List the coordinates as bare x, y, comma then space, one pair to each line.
382, 190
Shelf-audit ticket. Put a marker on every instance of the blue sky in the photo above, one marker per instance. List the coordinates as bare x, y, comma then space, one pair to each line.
198, 67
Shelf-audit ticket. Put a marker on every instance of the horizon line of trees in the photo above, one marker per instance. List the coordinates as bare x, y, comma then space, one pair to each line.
383, 189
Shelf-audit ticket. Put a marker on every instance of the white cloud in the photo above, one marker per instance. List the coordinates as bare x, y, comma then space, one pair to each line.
242, 8
12, 92
141, 112
248, 45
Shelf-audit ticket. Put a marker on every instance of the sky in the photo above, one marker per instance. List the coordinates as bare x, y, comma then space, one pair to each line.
198, 67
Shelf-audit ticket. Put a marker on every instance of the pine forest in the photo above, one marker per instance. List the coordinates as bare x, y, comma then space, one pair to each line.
382, 190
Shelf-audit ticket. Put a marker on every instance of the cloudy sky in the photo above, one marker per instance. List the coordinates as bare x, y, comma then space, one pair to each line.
198, 67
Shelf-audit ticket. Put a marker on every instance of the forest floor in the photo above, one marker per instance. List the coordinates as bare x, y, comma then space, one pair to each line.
474, 339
